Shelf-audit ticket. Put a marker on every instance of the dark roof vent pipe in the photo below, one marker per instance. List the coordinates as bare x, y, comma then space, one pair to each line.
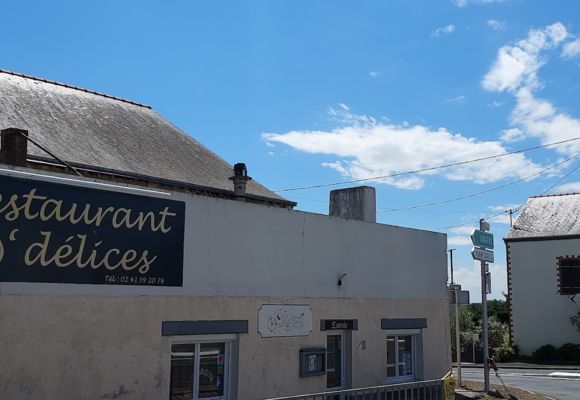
13, 146
240, 179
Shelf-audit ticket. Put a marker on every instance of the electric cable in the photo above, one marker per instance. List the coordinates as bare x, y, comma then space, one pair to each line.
517, 208
428, 168
436, 203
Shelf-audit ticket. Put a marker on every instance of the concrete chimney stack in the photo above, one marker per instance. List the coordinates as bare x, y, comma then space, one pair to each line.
354, 203
240, 179
13, 146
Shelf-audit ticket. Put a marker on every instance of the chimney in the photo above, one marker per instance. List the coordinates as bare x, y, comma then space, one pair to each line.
354, 203
240, 179
13, 146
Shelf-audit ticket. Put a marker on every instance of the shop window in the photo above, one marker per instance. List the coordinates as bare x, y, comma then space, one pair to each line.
569, 275
199, 371
401, 357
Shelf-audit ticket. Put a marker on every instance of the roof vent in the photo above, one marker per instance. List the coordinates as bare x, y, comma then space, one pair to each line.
240, 179
13, 146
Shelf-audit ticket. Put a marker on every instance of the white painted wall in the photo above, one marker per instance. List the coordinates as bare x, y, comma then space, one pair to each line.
68, 341
89, 347
540, 314
234, 248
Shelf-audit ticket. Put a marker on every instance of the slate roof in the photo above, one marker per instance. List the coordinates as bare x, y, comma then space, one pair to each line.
88, 128
548, 216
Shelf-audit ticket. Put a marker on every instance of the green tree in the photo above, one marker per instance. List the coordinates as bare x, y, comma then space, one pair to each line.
468, 328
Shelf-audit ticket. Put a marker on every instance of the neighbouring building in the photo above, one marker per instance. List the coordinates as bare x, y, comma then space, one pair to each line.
137, 264
543, 269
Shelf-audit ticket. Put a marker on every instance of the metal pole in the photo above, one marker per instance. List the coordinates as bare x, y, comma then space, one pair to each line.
484, 321
457, 337
451, 256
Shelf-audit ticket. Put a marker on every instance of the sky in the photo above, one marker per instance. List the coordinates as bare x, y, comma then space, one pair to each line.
314, 93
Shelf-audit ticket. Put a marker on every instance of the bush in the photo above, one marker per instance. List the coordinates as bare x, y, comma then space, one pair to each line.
545, 353
506, 354
569, 352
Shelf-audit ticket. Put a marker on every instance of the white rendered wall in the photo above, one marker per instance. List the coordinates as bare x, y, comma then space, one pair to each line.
70, 341
540, 315
234, 248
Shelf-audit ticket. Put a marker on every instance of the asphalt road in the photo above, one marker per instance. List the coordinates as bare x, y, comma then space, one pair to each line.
557, 384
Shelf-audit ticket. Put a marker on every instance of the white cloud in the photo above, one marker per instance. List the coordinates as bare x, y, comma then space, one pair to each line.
571, 49
496, 25
470, 279
374, 74
496, 103
459, 241
515, 70
458, 99
464, 3
572, 187
517, 64
463, 230
504, 207
540, 118
460, 236
363, 148
512, 135
501, 219
446, 29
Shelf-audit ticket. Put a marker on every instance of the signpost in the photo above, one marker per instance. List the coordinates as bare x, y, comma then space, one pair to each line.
483, 242
482, 254
482, 239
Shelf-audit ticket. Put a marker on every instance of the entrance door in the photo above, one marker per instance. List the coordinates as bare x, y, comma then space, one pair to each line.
335, 361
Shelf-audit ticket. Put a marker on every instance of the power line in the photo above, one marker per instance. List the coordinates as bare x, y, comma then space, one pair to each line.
517, 208
437, 203
428, 168
560, 181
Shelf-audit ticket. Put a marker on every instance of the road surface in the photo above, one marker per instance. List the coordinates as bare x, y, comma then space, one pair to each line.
559, 385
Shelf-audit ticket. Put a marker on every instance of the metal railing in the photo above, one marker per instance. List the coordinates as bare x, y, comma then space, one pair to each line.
422, 390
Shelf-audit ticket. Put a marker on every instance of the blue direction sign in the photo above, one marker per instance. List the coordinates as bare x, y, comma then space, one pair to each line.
482, 239
482, 254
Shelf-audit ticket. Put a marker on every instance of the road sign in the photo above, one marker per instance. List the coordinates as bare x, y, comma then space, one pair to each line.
482, 239
482, 254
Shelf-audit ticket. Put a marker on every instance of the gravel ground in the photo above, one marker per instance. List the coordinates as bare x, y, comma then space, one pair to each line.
500, 392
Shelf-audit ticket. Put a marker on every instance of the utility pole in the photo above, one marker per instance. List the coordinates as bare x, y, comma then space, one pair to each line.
511, 211
455, 289
451, 259
484, 226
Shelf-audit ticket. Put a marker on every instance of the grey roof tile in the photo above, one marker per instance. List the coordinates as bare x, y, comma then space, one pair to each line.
546, 216
90, 128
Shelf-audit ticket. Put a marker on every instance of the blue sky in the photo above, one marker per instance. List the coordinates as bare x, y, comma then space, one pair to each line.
315, 92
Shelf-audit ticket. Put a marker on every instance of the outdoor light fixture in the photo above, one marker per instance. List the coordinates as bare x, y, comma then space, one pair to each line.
339, 283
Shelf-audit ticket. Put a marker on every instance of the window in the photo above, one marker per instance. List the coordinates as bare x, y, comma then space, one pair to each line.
400, 357
199, 370
568, 275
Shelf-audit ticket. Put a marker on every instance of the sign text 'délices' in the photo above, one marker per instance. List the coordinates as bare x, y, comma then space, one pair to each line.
68, 234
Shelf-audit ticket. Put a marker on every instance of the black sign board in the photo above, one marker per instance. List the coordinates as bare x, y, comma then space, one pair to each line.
57, 233
338, 324
312, 362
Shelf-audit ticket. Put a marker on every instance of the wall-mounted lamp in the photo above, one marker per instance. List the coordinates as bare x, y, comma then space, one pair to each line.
340, 278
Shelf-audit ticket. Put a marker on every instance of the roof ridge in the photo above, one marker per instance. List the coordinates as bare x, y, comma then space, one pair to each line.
554, 195
74, 87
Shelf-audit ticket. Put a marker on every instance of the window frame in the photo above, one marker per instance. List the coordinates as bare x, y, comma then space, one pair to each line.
197, 341
567, 290
415, 335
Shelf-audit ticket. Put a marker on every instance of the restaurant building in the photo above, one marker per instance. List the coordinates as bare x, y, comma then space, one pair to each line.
137, 264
